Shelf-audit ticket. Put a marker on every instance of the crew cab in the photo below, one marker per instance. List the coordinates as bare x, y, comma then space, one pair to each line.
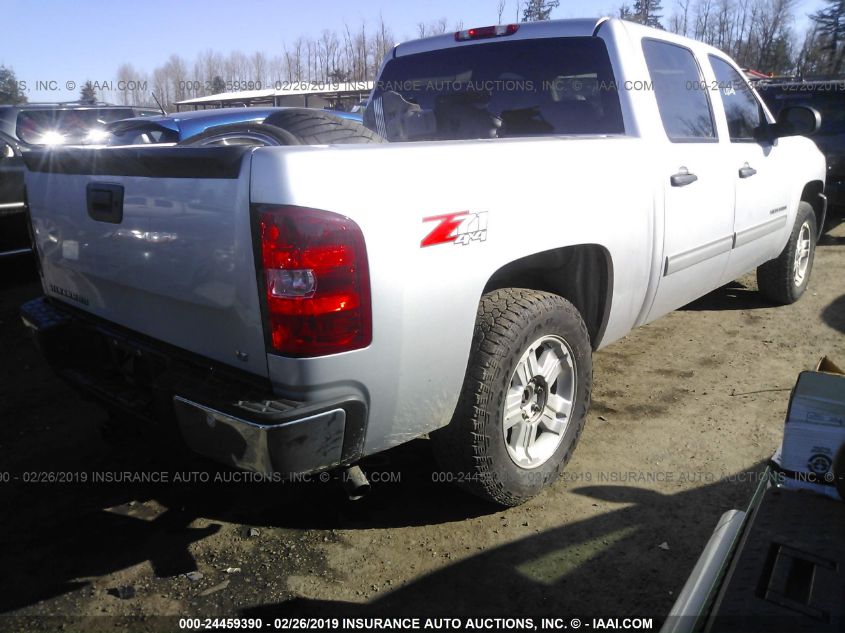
522, 196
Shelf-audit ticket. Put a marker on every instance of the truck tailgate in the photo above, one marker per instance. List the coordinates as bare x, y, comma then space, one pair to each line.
172, 260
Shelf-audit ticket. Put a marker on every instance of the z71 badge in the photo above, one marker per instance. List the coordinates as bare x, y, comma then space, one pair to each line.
461, 228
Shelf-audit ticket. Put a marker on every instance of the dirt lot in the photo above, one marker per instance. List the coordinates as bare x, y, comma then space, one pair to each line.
685, 413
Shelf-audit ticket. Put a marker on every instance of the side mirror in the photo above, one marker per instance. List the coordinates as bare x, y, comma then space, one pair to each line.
796, 121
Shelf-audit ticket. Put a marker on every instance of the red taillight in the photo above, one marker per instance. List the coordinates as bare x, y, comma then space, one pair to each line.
316, 281
486, 31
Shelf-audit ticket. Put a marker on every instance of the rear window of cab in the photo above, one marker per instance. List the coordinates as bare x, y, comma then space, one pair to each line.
533, 87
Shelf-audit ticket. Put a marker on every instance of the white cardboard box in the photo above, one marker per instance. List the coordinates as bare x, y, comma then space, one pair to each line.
815, 429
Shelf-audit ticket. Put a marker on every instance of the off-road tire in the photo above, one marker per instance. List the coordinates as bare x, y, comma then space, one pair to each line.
776, 278
471, 448
217, 135
313, 127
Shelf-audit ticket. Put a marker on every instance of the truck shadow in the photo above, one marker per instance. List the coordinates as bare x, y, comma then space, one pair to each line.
834, 314
153, 501
565, 570
835, 219
17, 270
831, 240
732, 296
59, 536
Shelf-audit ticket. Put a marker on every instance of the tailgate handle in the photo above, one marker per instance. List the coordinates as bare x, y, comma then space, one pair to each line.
105, 202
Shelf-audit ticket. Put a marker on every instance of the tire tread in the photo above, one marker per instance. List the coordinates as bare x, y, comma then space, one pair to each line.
318, 128
775, 277
463, 445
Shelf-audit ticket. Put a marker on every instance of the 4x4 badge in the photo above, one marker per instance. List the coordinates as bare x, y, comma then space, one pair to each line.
461, 227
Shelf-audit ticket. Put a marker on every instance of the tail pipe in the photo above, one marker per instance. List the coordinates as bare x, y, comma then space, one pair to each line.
355, 483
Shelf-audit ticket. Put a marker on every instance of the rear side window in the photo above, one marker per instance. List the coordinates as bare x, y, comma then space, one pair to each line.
741, 107
509, 88
679, 90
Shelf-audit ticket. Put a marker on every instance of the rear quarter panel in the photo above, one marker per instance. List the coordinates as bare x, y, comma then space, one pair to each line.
537, 194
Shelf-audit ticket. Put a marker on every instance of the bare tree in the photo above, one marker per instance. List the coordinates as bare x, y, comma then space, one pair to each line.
681, 17
381, 45
276, 70
260, 69
294, 61
126, 73
757, 33
161, 87
176, 73
209, 64
362, 53
774, 45
432, 28
813, 57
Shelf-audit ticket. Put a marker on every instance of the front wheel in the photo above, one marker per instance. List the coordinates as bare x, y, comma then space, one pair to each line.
784, 279
524, 399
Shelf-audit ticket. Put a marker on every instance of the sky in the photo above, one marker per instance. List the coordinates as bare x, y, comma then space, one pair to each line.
63, 43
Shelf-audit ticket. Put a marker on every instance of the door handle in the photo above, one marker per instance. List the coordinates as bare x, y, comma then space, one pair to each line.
682, 178
746, 171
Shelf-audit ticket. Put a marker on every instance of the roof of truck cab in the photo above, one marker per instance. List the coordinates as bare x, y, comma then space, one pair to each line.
579, 27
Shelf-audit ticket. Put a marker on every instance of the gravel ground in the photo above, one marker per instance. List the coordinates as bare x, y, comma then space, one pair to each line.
685, 413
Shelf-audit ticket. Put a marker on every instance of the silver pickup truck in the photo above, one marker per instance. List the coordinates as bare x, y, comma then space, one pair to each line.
522, 196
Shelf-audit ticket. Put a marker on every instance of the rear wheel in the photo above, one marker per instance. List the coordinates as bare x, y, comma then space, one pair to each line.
784, 279
524, 400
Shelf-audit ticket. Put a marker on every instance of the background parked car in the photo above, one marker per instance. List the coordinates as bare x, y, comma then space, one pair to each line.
180, 126
37, 124
828, 97
63, 123
14, 238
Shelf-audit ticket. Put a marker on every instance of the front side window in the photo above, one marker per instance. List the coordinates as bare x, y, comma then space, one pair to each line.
679, 90
741, 107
